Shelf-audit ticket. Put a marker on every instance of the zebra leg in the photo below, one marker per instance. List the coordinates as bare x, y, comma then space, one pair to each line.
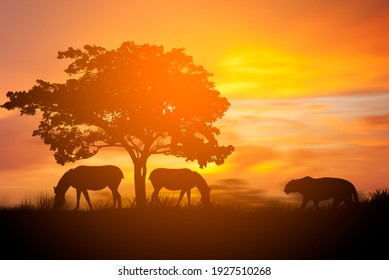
78, 199
154, 196
119, 199
116, 198
85, 192
188, 195
181, 196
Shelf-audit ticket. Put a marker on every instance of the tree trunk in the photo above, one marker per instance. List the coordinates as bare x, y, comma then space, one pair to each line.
140, 172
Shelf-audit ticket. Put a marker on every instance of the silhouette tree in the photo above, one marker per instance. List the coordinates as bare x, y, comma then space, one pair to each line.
138, 97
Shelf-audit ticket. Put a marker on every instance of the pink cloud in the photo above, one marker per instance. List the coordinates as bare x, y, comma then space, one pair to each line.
18, 149
377, 119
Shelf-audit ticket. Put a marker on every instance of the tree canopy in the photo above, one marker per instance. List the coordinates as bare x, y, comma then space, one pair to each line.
138, 97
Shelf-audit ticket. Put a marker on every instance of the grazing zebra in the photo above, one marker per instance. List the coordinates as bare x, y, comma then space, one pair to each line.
84, 178
179, 179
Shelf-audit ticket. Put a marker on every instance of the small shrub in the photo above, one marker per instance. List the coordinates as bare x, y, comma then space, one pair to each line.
42, 201
379, 198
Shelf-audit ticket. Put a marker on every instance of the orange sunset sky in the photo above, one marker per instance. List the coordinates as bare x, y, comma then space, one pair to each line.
308, 83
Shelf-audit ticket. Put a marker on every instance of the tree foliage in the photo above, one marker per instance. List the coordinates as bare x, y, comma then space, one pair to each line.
138, 97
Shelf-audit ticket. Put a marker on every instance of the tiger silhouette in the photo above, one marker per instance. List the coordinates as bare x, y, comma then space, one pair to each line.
323, 189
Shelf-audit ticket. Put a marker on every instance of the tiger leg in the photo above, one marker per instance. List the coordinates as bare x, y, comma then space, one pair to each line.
304, 203
336, 202
316, 204
349, 201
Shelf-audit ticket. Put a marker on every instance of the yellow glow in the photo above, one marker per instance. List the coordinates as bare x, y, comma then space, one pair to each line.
268, 166
259, 72
275, 73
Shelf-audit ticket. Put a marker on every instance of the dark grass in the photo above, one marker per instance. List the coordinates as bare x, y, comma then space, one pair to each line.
34, 231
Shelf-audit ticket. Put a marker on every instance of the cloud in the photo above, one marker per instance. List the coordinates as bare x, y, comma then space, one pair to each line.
18, 149
248, 156
377, 120
242, 192
236, 191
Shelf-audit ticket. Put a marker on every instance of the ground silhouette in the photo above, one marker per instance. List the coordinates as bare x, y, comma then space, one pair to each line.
196, 233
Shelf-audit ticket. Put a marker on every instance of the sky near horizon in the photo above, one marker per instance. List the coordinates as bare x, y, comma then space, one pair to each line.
308, 83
